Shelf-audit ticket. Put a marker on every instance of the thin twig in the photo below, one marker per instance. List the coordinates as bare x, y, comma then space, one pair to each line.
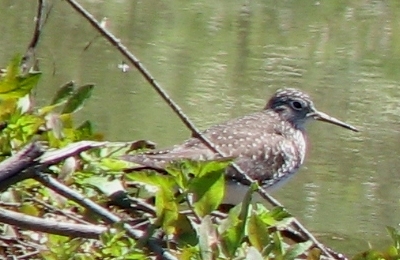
28, 255
58, 211
55, 156
40, 20
146, 74
189, 202
195, 132
100, 211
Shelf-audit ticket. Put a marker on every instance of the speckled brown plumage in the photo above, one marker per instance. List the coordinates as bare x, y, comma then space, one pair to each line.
269, 145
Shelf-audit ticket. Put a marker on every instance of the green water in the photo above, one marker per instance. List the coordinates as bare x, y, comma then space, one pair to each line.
222, 59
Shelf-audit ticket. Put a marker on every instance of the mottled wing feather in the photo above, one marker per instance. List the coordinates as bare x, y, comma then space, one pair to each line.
255, 141
227, 137
270, 164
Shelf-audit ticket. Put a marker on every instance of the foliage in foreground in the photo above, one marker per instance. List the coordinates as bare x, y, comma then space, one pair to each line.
186, 222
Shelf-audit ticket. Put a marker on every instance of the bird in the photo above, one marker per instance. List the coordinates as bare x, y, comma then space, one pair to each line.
268, 145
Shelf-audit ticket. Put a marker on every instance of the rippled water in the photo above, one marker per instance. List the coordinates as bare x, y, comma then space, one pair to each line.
222, 59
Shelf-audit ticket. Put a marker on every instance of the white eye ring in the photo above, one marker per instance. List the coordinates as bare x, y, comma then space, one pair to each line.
297, 105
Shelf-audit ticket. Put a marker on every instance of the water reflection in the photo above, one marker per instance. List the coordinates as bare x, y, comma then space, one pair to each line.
221, 59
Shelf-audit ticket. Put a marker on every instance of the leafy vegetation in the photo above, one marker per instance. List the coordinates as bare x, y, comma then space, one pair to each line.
187, 222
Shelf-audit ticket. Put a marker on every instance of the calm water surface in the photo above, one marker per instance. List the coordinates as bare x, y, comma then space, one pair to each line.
223, 59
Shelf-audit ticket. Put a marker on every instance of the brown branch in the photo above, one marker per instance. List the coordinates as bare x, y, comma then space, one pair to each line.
58, 155
101, 212
22, 160
195, 132
12, 169
40, 20
49, 226
146, 74
15, 168
27, 162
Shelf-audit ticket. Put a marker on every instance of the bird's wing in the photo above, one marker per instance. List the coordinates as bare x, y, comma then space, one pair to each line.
241, 139
269, 162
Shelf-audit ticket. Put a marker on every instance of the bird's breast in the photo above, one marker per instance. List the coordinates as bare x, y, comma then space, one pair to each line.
299, 140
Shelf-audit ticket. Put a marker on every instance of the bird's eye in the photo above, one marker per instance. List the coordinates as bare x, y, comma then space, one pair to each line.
296, 105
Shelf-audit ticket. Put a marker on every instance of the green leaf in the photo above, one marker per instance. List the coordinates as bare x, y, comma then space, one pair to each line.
280, 213
30, 209
257, 232
166, 204
392, 251
14, 85
112, 164
185, 233
23, 127
167, 210
296, 250
84, 131
104, 184
272, 217
189, 253
63, 93
232, 231
208, 191
203, 179
186, 170
12, 70
277, 248
152, 178
231, 239
47, 109
180, 173
26, 83
29, 124
211, 166
233, 228
76, 101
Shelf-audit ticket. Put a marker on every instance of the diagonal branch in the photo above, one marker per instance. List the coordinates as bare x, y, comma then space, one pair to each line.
12, 169
15, 168
100, 211
49, 226
195, 132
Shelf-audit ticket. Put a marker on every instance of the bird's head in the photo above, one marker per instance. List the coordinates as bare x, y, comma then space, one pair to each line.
297, 108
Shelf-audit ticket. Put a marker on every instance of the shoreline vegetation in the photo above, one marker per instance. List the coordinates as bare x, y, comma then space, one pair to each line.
66, 195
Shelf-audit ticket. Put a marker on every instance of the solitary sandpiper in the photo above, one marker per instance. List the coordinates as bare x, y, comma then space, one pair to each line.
269, 145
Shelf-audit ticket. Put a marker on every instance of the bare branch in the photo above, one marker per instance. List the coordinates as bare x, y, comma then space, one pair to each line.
195, 132
49, 226
15, 168
12, 169
20, 161
58, 155
146, 74
40, 20
101, 212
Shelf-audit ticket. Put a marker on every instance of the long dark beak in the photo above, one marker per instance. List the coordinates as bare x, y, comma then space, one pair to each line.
325, 118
